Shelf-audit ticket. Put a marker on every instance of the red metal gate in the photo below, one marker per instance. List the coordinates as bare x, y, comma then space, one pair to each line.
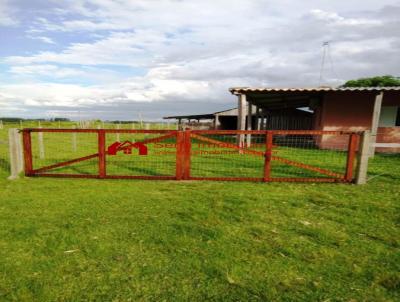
273, 155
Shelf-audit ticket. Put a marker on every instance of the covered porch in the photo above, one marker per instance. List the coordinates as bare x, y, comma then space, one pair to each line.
375, 109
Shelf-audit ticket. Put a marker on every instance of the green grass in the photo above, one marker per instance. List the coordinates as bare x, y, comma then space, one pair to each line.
121, 240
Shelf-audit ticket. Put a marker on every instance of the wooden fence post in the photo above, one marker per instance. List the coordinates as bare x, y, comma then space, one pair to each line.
186, 157
102, 152
268, 155
26, 137
16, 153
362, 158
180, 149
351, 155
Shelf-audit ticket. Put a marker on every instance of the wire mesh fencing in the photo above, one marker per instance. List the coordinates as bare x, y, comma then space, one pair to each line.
200, 154
385, 154
141, 154
100, 153
64, 152
273, 155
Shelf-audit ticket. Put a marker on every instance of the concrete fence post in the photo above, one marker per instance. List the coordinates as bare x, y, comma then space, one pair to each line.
74, 144
117, 135
16, 153
41, 143
362, 158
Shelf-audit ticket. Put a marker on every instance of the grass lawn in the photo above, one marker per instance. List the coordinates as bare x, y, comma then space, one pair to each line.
71, 240
125, 240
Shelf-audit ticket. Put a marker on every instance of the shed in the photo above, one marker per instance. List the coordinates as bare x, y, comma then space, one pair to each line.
221, 120
344, 109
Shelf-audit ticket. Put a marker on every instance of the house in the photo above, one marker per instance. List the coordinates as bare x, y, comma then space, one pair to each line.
339, 109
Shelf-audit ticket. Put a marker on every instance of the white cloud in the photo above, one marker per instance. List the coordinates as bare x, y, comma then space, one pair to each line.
43, 39
196, 50
117, 49
46, 70
7, 14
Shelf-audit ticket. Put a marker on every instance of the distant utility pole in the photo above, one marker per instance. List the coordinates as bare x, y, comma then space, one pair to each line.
326, 54
325, 49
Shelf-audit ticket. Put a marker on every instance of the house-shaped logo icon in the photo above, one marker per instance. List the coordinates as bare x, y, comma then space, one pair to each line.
126, 147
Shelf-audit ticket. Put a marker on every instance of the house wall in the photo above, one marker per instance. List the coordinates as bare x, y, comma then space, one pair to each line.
352, 111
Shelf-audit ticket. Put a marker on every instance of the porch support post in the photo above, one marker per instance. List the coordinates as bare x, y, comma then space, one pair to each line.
375, 122
217, 123
249, 122
258, 110
241, 121
362, 158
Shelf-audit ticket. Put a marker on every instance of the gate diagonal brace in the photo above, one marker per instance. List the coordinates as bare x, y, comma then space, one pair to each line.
274, 157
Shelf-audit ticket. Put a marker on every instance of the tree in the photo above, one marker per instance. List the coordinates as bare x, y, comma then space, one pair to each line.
378, 81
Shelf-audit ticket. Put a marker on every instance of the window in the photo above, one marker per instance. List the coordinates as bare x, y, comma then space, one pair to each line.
390, 116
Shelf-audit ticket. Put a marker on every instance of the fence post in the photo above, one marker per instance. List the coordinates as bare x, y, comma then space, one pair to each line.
102, 152
117, 135
26, 137
74, 145
16, 154
351, 155
186, 157
362, 158
268, 155
180, 149
41, 143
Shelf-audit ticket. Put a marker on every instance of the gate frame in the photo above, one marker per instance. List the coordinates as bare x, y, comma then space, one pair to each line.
350, 159
183, 154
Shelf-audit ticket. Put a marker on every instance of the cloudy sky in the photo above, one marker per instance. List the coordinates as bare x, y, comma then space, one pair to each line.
124, 58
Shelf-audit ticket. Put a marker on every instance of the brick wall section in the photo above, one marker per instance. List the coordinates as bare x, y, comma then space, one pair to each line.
352, 111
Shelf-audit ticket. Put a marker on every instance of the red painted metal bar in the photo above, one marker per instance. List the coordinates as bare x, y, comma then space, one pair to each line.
66, 175
144, 177
96, 130
258, 179
102, 153
227, 145
268, 155
27, 142
179, 155
152, 140
66, 163
280, 132
186, 155
306, 179
311, 132
272, 179
306, 167
351, 155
